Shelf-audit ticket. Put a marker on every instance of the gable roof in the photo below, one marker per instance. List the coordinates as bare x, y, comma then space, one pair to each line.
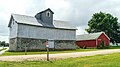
24, 19
47, 10
29, 20
92, 36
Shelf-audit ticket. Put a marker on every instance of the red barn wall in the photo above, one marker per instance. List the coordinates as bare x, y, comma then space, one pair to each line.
86, 43
104, 38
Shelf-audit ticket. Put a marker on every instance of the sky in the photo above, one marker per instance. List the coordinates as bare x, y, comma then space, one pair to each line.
77, 12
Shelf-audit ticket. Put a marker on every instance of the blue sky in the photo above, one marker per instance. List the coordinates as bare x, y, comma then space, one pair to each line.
77, 12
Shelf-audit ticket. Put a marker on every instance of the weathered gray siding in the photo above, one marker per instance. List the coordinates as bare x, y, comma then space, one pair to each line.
26, 31
46, 19
13, 29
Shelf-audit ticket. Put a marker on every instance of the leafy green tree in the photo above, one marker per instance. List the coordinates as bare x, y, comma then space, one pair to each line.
3, 43
104, 22
7, 44
0, 43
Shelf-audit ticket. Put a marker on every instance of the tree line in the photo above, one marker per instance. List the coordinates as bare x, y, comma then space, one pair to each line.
4, 44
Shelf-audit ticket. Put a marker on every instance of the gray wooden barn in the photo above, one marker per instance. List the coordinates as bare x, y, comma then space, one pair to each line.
33, 32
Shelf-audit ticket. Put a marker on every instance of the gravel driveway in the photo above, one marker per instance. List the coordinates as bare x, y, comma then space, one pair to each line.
56, 56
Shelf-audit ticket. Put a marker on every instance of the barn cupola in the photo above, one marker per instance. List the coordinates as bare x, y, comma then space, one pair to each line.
45, 17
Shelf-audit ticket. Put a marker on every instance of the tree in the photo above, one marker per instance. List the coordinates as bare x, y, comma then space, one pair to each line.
0, 43
3, 43
7, 45
105, 22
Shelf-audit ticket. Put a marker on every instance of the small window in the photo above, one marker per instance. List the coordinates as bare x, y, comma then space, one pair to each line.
48, 14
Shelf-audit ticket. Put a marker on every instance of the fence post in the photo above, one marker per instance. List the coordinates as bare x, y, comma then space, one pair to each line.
46, 44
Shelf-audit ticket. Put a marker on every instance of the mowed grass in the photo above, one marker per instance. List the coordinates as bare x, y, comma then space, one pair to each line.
114, 47
3, 49
58, 51
111, 60
44, 52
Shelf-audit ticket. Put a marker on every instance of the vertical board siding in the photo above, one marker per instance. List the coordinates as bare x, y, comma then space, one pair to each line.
86, 43
104, 38
27, 31
13, 29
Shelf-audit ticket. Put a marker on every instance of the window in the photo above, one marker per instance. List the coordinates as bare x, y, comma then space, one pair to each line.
48, 14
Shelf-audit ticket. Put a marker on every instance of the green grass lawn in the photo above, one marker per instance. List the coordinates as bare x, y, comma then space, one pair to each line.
53, 52
44, 52
3, 49
111, 60
114, 47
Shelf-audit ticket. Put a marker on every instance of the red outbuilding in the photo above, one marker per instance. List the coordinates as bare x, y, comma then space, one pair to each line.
92, 40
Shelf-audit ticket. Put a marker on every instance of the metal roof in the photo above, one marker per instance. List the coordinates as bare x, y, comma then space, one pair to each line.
26, 19
62, 24
91, 36
33, 21
47, 10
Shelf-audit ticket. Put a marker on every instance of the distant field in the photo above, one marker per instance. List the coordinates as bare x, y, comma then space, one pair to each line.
111, 60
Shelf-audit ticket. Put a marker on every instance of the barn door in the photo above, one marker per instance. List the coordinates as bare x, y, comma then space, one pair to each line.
51, 43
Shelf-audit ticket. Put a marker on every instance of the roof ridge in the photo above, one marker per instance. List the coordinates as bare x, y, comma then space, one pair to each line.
22, 15
25, 19
92, 33
90, 36
45, 10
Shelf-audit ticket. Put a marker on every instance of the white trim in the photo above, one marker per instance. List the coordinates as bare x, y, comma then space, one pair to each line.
48, 12
104, 34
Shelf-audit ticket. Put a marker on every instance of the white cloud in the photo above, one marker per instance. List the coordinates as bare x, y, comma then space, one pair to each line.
4, 38
78, 12
81, 30
6, 8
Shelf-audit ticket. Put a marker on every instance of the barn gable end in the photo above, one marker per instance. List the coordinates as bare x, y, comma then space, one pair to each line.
92, 40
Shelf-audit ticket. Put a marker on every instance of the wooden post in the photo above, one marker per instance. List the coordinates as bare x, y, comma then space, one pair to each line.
46, 44
47, 53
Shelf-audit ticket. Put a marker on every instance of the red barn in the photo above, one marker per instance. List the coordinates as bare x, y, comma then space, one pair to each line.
92, 40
